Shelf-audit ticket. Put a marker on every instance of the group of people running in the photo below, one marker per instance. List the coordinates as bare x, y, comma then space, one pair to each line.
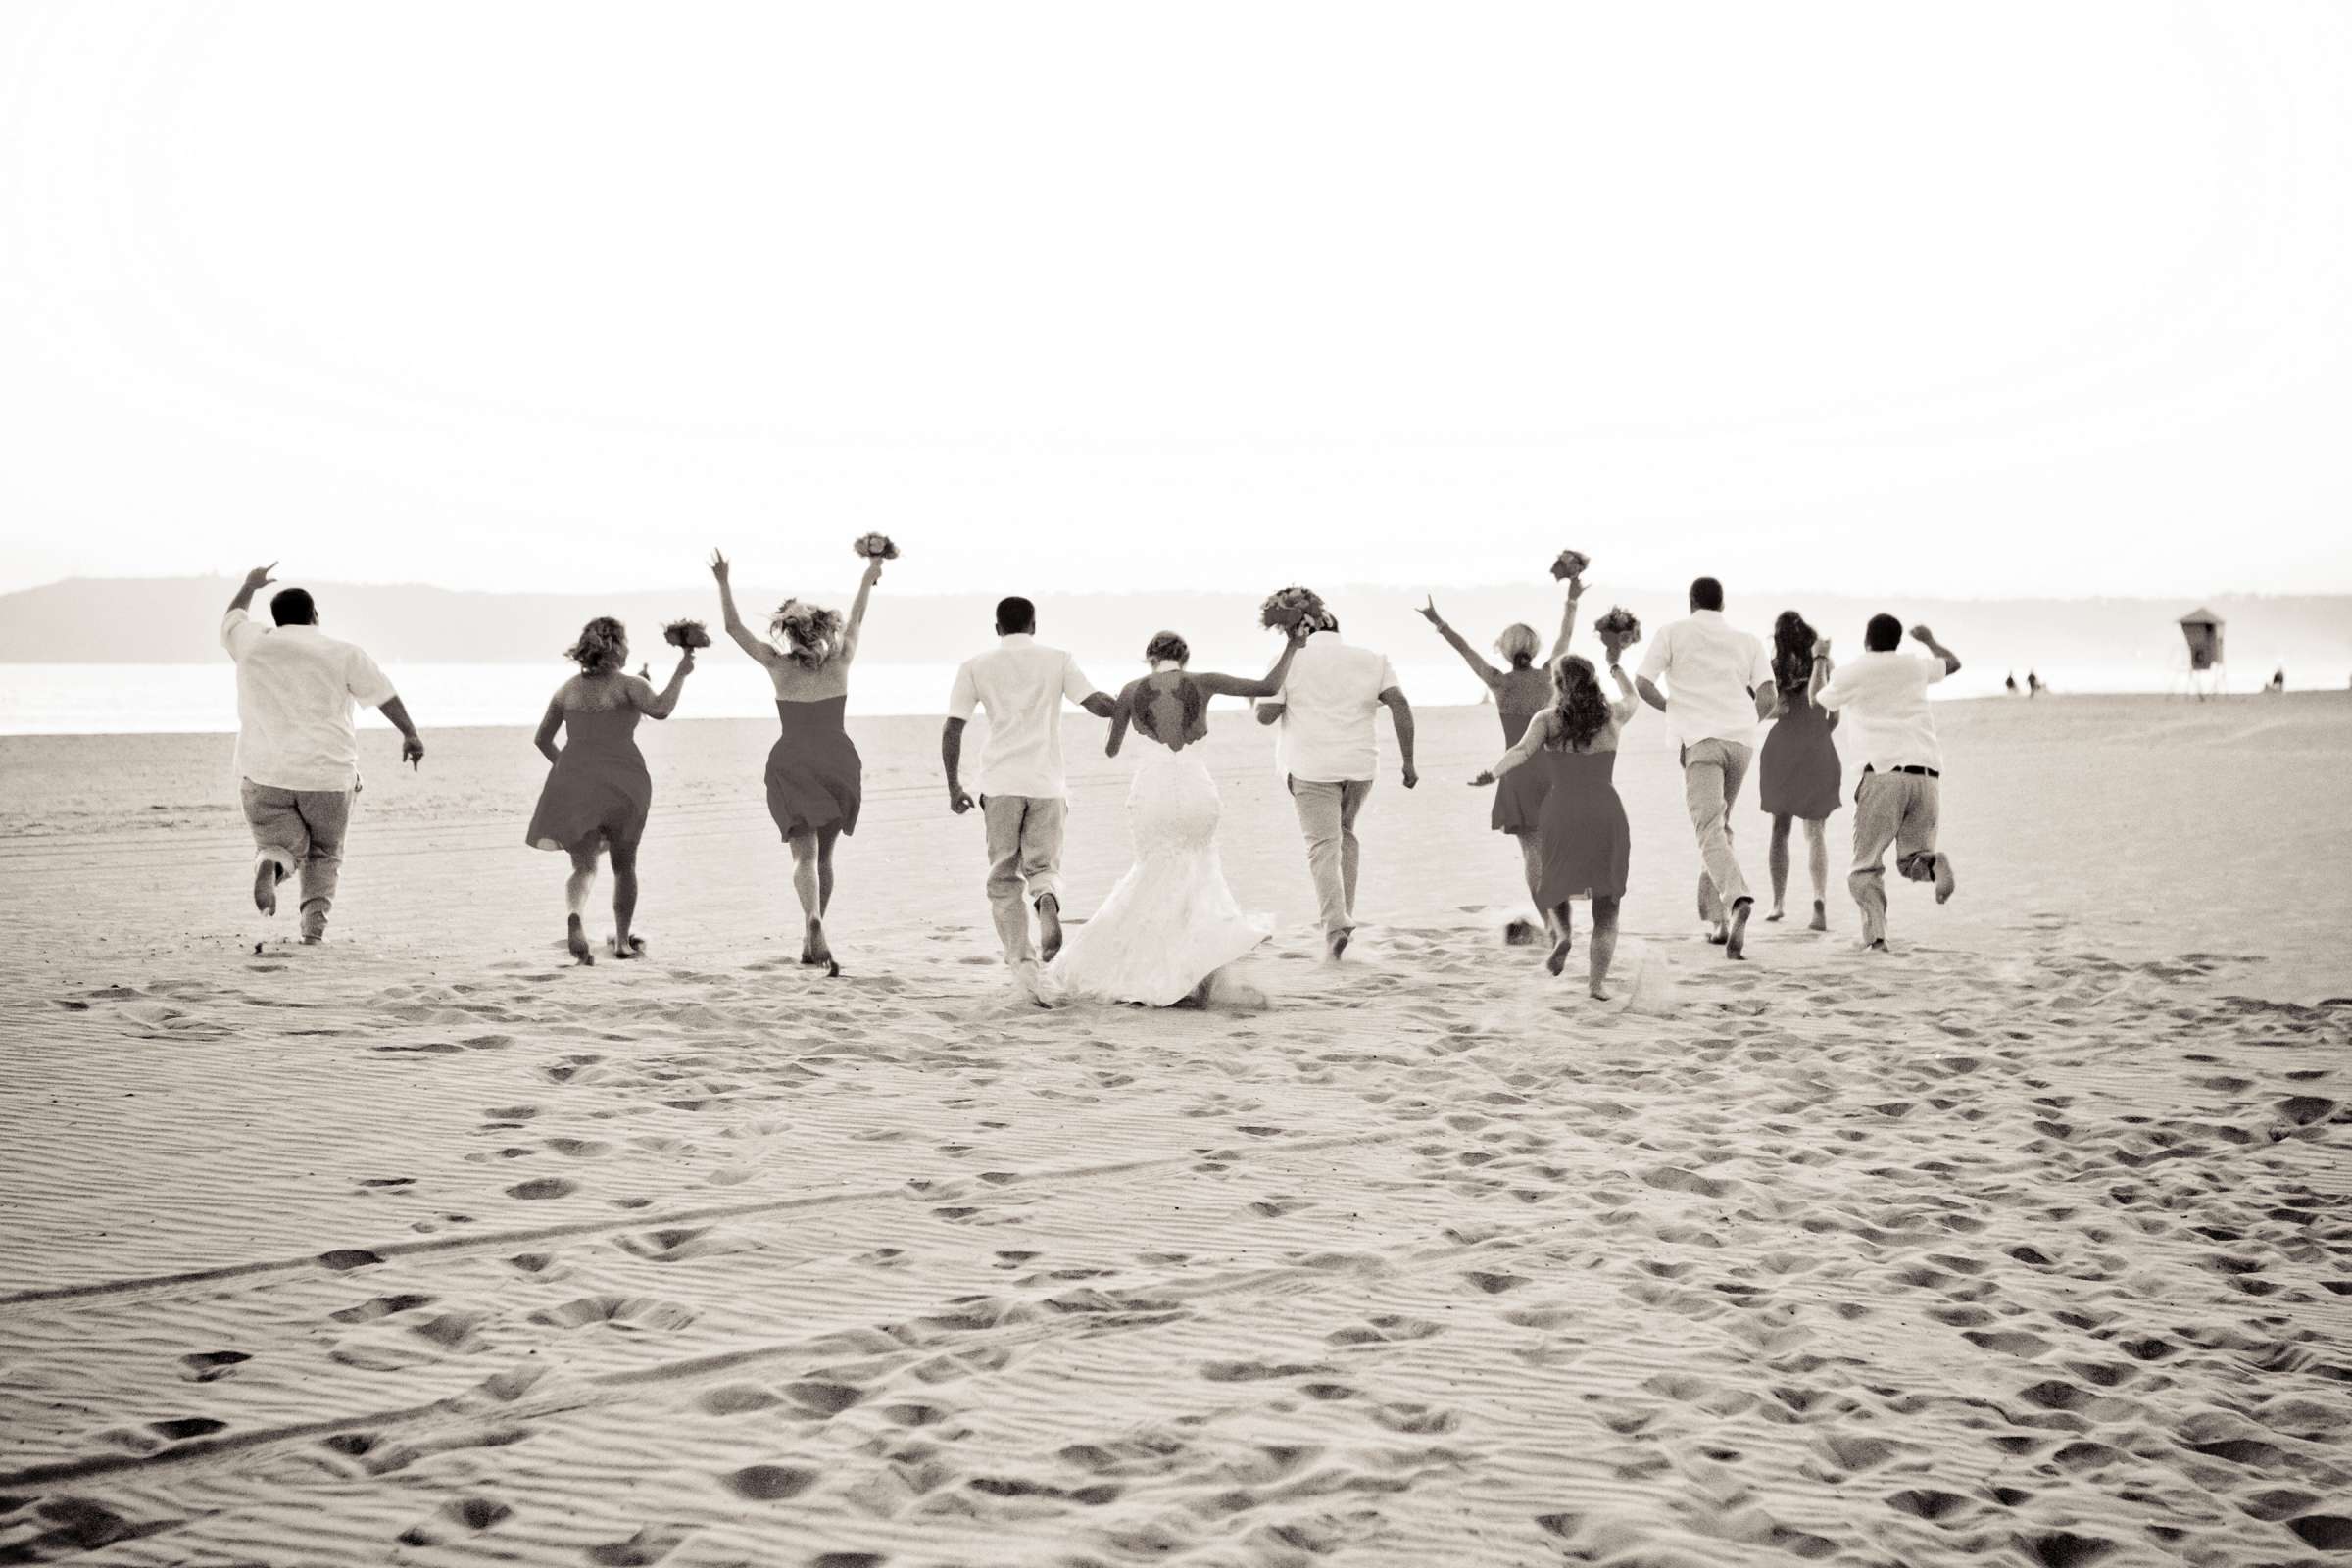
1170, 929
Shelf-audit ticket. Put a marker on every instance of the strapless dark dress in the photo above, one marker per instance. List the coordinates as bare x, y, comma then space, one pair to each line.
1587, 849
815, 779
598, 788
1798, 775
1519, 796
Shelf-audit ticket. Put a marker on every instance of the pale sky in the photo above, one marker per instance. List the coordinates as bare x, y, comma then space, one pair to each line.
2044, 297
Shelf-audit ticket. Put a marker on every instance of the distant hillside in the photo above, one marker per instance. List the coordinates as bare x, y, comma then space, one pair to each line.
174, 621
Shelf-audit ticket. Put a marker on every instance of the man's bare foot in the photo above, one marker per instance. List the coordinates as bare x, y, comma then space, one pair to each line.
1777, 913
1946, 884
1718, 934
1600, 991
1821, 917
1335, 945
1735, 941
1559, 956
1875, 945
265, 887
1048, 928
575, 940
1519, 934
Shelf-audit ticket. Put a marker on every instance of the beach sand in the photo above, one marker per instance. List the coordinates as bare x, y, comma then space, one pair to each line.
2029, 1240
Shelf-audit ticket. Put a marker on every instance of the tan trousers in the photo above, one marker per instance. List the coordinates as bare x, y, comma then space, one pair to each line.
1902, 809
1327, 816
1024, 864
1712, 773
301, 832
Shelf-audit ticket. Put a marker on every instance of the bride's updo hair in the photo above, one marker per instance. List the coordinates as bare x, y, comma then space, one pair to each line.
1520, 645
604, 643
810, 633
1167, 647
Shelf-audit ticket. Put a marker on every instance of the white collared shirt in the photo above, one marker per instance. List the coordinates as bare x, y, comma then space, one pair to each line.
1328, 700
1712, 673
1021, 683
1884, 695
295, 690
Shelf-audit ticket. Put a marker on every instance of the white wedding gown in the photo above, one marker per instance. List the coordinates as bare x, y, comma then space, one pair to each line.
1171, 922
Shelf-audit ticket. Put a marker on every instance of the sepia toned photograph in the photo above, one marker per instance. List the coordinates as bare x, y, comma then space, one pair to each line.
1049, 785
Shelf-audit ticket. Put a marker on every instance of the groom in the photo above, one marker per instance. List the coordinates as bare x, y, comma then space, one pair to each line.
1328, 758
1024, 795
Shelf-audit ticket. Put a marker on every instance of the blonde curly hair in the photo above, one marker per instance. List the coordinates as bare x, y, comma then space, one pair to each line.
810, 633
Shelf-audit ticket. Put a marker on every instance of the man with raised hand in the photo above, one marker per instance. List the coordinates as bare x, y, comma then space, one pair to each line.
1899, 801
298, 753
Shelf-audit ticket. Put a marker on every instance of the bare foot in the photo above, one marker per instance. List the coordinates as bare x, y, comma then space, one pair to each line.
576, 940
1777, 913
1735, 941
815, 951
1719, 934
1600, 992
1337, 944
1519, 934
1821, 917
633, 948
1877, 946
1048, 928
1559, 956
1946, 884
265, 887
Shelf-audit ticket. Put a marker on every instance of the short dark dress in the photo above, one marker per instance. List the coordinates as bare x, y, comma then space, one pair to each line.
815, 779
1587, 849
598, 788
1800, 775
1519, 696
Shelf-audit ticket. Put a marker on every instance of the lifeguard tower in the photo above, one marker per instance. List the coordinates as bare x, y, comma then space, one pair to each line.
2208, 673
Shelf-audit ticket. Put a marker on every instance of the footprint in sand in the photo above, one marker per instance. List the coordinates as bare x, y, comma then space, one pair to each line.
769, 1483
208, 1366
543, 1187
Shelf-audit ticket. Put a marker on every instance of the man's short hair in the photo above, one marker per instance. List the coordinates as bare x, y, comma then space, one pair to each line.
1706, 594
1015, 615
1884, 634
292, 607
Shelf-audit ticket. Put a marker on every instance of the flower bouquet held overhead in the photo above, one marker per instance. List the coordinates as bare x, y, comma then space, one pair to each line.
1290, 609
687, 634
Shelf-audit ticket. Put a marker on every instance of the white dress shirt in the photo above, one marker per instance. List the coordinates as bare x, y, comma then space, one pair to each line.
1712, 672
1021, 683
1328, 700
1884, 697
295, 690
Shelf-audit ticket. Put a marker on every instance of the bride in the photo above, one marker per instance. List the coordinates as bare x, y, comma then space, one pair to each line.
1171, 924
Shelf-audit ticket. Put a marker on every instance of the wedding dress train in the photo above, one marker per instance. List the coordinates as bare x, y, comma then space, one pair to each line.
1171, 922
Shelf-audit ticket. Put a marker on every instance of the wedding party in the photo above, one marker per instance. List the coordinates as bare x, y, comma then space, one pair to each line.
1304, 787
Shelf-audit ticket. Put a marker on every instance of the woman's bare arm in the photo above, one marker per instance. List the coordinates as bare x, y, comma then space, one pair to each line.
1576, 594
744, 636
1237, 686
662, 703
866, 592
1539, 730
1629, 704
551, 723
1478, 666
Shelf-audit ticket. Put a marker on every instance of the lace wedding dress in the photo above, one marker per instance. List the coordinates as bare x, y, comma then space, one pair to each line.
1171, 922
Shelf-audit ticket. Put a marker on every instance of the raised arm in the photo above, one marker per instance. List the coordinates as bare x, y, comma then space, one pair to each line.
744, 636
1478, 666
1629, 702
1237, 686
1576, 593
866, 592
550, 722
663, 704
1951, 660
256, 580
1401, 711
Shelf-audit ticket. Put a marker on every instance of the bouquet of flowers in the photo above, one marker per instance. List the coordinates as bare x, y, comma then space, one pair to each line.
686, 634
1620, 626
1571, 563
876, 546
1290, 609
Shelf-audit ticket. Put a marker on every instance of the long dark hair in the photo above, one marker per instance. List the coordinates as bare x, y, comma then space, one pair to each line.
1792, 640
1584, 711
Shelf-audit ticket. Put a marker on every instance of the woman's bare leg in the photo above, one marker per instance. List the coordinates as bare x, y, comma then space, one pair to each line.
1531, 857
576, 889
826, 838
1817, 858
1605, 944
806, 883
1777, 857
1562, 921
624, 898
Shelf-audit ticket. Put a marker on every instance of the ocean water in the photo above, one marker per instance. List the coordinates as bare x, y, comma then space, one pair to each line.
158, 699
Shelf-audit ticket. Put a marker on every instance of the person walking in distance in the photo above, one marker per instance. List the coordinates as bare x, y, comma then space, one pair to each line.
1328, 758
1717, 683
298, 753
1024, 793
1899, 800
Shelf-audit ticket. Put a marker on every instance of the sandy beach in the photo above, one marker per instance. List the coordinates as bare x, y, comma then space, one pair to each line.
2028, 1242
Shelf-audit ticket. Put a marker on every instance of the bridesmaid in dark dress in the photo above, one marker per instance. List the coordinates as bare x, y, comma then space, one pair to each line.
1588, 848
815, 781
1798, 777
598, 793
1521, 692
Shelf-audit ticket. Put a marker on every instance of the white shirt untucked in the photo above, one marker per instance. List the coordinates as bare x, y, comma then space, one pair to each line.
1021, 683
295, 690
1884, 697
1328, 700
1712, 672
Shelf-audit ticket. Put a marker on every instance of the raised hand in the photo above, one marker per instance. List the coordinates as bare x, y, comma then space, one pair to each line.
1576, 587
1920, 633
1429, 613
719, 566
259, 577
1821, 648
873, 570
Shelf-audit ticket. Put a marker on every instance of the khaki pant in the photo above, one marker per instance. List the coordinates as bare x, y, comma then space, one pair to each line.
1327, 816
1712, 773
1024, 864
1902, 809
301, 832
